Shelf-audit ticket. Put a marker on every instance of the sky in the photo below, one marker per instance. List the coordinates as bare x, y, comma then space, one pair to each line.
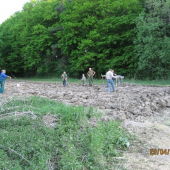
9, 7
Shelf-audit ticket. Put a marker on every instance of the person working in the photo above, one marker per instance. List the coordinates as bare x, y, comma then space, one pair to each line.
109, 77
83, 79
119, 79
2, 80
64, 78
90, 73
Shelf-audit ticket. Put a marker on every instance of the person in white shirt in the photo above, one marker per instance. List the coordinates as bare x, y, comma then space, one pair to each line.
109, 76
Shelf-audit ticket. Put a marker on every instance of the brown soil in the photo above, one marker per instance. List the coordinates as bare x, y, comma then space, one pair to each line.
143, 110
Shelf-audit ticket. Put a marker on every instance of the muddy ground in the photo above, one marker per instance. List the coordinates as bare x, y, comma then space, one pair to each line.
143, 110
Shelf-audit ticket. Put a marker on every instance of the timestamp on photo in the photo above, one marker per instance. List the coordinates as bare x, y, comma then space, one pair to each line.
159, 151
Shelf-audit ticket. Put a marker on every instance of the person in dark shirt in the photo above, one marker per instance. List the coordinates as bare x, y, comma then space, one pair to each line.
64, 78
90, 73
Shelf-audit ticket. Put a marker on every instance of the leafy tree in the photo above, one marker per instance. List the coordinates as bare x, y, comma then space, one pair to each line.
99, 34
56, 35
37, 41
1, 47
152, 42
61, 59
27, 40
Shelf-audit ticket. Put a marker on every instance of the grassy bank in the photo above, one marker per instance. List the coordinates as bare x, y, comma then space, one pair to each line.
38, 133
150, 82
100, 81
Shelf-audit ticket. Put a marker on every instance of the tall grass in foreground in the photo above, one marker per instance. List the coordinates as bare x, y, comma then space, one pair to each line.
75, 143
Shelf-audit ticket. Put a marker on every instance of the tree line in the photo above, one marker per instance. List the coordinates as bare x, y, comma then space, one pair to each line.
51, 36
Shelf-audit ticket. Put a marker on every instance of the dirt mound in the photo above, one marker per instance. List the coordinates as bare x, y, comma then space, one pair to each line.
127, 102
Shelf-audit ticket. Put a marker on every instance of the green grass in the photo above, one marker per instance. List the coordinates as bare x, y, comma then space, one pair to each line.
149, 82
27, 143
100, 81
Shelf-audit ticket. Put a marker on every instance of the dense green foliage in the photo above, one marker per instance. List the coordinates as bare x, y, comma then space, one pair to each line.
98, 34
27, 141
152, 41
51, 36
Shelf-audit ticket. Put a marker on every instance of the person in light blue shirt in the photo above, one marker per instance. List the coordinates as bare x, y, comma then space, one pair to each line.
2, 80
83, 79
119, 79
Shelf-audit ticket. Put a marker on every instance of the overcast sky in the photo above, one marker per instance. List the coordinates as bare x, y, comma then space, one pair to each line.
9, 7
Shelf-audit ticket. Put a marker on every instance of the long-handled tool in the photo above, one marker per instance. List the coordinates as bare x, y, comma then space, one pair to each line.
15, 79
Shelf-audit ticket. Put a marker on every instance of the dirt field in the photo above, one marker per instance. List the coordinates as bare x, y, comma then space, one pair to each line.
144, 111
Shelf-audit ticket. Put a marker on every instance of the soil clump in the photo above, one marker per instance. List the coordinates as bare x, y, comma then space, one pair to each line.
143, 110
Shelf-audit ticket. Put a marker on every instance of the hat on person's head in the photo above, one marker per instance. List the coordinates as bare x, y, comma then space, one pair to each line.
110, 69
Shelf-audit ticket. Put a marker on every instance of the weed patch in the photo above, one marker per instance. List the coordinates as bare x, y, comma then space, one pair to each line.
27, 143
